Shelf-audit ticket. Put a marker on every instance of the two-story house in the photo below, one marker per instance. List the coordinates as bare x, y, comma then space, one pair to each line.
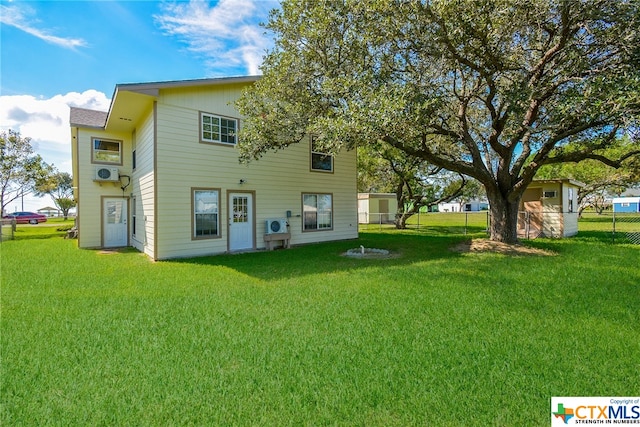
160, 172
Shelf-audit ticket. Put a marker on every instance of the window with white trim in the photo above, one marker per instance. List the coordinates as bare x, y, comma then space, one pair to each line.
106, 151
133, 149
570, 199
218, 129
206, 208
320, 161
134, 215
317, 212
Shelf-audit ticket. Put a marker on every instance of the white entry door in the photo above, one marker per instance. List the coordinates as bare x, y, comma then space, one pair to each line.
240, 221
114, 227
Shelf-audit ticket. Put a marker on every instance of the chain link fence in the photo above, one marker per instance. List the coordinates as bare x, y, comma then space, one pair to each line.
444, 222
7, 229
623, 227
626, 227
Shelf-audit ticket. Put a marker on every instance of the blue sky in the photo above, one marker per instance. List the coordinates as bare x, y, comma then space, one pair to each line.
60, 53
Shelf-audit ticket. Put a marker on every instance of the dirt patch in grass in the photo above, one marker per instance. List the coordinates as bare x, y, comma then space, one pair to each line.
486, 245
369, 253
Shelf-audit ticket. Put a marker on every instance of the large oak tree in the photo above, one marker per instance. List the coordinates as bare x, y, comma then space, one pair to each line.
488, 89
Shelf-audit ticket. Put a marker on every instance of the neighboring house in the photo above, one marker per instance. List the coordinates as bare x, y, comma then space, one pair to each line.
626, 204
463, 206
631, 192
159, 171
376, 208
549, 208
49, 211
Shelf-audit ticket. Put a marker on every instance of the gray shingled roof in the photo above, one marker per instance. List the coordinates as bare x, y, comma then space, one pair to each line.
88, 118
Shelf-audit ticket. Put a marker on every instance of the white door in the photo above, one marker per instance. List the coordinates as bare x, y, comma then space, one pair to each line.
114, 228
240, 221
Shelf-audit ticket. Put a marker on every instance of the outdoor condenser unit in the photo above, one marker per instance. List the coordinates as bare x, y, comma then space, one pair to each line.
106, 174
277, 225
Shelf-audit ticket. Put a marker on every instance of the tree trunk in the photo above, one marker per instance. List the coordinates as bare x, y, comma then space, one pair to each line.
503, 226
401, 220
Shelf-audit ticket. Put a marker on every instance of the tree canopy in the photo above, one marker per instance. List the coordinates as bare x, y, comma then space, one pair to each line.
59, 186
20, 168
601, 181
489, 89
415, 182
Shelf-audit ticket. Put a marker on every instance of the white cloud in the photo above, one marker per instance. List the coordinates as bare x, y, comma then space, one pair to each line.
20, 17
227, 34
46, 122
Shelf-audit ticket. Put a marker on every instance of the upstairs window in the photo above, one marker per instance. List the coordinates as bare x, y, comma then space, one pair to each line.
321, 162
218, 129
106, 151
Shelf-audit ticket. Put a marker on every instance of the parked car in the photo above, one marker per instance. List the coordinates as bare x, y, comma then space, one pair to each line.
27, 217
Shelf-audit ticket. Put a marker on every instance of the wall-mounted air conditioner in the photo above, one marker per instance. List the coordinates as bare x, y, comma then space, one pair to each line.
106, 174
278, 225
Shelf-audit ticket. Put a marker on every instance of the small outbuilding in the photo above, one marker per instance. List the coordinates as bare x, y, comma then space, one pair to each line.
376, 208
49, 211
463, 206
626, 204
549, 208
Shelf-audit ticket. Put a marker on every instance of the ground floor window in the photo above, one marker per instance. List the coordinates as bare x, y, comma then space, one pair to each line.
206, 207
317, 211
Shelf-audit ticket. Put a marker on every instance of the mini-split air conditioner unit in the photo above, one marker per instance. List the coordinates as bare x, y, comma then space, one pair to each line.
278, 225
107, 174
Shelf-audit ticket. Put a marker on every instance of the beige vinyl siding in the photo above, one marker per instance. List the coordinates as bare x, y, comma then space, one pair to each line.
570, 221
570, 224
552, 212
219, 100
553, 225
143, 187
91, 192
558, 221
277, 181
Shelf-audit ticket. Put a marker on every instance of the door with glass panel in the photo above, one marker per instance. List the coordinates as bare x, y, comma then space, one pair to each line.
240, 221
114, 222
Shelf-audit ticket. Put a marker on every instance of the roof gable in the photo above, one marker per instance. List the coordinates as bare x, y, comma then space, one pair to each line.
152, 88
131, 98
87, 118
563, 181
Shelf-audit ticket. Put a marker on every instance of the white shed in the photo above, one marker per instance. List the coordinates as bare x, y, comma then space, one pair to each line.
375, 208
463, 206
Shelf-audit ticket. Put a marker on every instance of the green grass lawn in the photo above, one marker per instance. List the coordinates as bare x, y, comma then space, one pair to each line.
308, 337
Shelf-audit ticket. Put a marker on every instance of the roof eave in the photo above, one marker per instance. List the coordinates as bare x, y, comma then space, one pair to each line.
153, 88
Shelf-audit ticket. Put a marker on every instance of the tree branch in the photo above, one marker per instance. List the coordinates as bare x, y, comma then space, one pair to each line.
576, 157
